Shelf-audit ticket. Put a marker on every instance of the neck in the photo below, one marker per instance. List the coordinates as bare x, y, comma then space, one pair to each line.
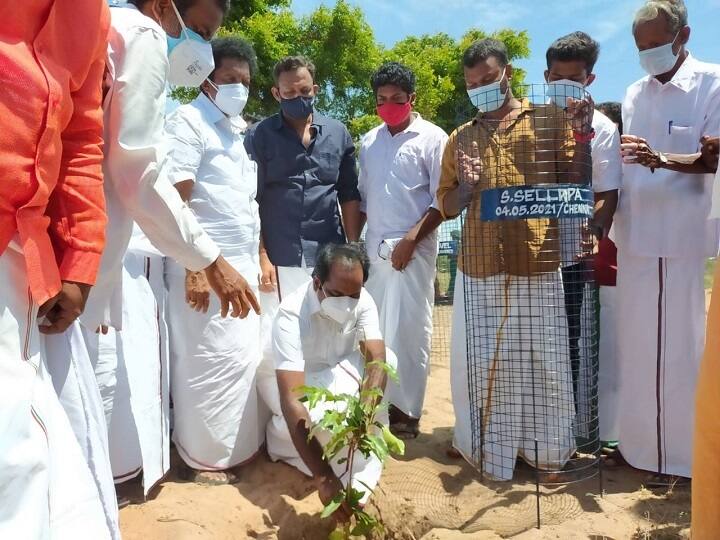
394, 130
509, 106
297, 124
667, 77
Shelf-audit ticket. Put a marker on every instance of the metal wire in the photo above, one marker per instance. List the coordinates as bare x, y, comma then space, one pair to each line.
531, 304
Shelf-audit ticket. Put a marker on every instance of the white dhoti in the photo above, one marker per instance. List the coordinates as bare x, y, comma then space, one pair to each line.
609, 368
219, 423
132, 372
661, 336
521, 386
46, 487
405, 305
341, 378
74, 379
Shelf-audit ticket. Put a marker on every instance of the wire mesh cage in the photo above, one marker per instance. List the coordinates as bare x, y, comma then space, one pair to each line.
529, 296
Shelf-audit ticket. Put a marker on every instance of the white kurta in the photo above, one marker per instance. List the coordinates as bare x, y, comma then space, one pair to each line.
136, 187
521, 388
47, 490
663, 237
399, 177
218, 420
305, 340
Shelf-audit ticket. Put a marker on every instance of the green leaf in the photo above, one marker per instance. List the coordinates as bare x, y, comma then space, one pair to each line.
394, 445
366, 524
337, 534
333, 505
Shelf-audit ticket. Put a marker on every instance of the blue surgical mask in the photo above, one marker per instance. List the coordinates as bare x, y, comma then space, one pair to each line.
490, 97
558, 92
659, 60
185, 33
299, 108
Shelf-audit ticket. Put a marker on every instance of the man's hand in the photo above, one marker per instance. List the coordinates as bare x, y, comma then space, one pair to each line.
709, 152
231, 288
268, 275
469, 164
580, 113
62, 310
197, 291
402, 254
637, 150
328, 488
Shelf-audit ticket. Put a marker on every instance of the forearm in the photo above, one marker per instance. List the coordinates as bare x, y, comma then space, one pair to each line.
457, 199
687, 164
311, 452
581, 165
374, 353
605, 207
352, 221
427, 224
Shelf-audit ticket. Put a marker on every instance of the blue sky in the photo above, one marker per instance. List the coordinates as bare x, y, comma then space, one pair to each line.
608, 21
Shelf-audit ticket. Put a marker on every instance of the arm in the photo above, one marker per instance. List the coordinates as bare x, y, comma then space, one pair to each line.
77, 204
348, 193
454, 195
605, 206
637, 151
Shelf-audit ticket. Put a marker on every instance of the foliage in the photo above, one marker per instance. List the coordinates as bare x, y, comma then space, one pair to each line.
351, 421
343, 47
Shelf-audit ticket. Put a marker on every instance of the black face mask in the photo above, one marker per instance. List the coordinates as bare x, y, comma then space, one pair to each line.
299, 108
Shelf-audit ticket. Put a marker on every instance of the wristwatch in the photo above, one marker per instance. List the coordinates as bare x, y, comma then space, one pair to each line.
661, 160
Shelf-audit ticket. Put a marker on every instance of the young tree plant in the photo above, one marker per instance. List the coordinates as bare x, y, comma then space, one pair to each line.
353, 425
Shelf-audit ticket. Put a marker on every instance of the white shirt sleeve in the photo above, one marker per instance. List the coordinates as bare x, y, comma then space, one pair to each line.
368, 321
286, 342
133, 151
185, 148
434, 165
606, 160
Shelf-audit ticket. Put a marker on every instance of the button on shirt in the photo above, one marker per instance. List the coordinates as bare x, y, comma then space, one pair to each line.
665, 213
299, 188
399, 178
206, 146
52, 58
306, 340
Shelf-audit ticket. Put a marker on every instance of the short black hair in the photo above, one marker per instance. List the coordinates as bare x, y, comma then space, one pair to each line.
575, 47
351, 254
396, 74
183, 5
235, 48
293, 63
483, 49
613, 110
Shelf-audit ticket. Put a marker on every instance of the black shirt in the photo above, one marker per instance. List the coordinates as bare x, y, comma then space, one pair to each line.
299, 188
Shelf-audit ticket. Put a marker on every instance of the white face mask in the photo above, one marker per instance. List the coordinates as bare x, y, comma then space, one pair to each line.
340, 309
660, 59
191, 60
490, 97
230, 98
558, 92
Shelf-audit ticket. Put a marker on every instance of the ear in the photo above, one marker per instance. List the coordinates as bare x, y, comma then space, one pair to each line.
590, 79
547, 75
316, 89
412, 98
509, 72
685, 35
316, 283
276, 94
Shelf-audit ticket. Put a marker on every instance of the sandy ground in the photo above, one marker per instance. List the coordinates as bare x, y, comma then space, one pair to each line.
424, 495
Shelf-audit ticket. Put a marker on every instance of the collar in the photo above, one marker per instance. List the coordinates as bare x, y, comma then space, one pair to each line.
208, 109
683, 78
414, 126
526, 107
312, 299
317, 122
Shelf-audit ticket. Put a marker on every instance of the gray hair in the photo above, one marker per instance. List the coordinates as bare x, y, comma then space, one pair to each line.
674, 12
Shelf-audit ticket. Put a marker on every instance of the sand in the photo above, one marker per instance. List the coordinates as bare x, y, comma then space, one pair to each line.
424, 495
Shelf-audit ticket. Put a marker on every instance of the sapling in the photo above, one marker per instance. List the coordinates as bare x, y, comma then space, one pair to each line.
352, 423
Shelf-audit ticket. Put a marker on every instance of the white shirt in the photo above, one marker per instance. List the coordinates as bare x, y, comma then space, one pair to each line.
135, 188
665, 214
206, 146
606, 176
305, 339
399, 178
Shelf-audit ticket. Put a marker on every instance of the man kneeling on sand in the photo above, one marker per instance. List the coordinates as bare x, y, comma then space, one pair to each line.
318, 336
